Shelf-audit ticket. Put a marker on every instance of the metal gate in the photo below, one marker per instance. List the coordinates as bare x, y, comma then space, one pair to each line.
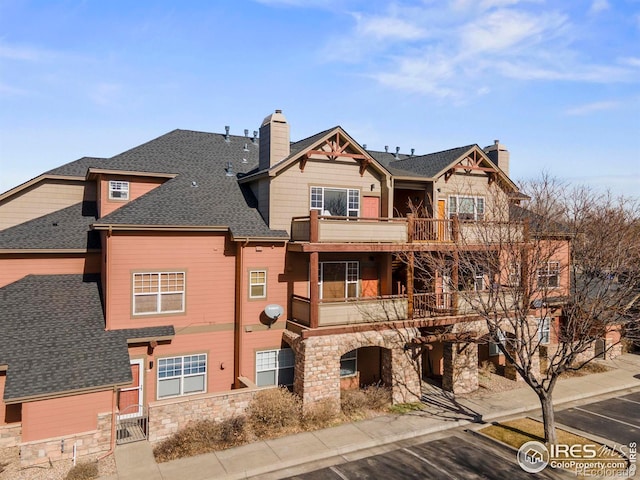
132, 424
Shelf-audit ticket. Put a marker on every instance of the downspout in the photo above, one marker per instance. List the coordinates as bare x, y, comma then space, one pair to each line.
112, 443
237, 337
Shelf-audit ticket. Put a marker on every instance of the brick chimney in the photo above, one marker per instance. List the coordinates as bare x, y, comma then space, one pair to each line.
499, 155
274, 140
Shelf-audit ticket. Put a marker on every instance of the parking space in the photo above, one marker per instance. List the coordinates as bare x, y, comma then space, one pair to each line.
456, 457
616, 419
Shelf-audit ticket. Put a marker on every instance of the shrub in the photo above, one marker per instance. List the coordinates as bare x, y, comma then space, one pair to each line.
274, 411
202, 437
321, 415
487, 368
83, 471
358, 403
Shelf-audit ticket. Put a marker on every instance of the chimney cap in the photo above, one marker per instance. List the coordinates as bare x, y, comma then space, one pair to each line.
274, 117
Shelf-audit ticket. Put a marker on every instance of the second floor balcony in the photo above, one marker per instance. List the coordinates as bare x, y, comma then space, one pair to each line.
317, 228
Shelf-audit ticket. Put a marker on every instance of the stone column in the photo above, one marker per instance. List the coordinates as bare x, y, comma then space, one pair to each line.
460, 367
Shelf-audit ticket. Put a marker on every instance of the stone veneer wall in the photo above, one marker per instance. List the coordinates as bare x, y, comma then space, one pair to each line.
87, 443
168, 416
317, 367
10, 435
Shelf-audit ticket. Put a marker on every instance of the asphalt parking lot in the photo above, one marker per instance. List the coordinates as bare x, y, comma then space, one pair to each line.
616, 419
457, 457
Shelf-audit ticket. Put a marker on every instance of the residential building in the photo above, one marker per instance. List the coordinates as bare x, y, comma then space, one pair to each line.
176, 279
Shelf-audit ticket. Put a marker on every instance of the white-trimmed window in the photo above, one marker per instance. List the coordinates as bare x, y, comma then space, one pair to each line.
339, 280
275, 367
257, 284
494, 349
466, 208
161, 292
184, 375
549, 275
544, 330
349, 364
118, 190
340, 202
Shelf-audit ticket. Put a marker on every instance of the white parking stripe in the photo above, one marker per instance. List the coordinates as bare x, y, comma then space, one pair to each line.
608, 418
420, 457
338, 472
627, 400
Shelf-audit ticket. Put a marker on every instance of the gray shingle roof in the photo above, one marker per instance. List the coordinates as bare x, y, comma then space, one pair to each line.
214, 200
64, 229
78, 168
431, 164
52, 337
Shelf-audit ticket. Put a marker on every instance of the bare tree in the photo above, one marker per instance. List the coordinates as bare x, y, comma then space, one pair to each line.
556, 277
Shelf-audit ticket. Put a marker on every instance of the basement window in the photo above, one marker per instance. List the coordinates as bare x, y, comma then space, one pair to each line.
349, 364
118, 190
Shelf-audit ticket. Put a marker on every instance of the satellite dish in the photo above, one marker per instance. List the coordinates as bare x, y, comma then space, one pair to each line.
273, 312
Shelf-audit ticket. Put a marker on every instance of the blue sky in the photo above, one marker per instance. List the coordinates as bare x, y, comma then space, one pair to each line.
557, 82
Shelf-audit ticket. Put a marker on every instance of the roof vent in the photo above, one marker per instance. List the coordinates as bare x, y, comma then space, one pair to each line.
386, 148
246, 132
246, 147
229, 170
244, 160
226, 135
55, 224
397, 152
364, 145
194, 183
413, 150
255, 136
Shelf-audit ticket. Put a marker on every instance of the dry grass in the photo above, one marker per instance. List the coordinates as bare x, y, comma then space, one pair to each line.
321, 415
83, 471
518, 432
588, 369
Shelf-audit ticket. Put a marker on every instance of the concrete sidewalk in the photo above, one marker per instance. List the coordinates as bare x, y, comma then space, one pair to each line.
443, 411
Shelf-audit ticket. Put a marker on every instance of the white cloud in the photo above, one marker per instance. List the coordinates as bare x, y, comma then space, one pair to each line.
630, 61
592, 107
598, 6
9, 91
506, 29
387, 28
12, 52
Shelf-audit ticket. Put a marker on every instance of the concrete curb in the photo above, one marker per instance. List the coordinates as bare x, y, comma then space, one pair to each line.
377, 442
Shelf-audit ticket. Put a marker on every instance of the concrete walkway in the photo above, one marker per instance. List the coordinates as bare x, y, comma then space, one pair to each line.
443, 411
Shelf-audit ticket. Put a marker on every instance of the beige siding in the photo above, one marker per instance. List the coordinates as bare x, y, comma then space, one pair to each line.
44, 197
362, 231
475, 184
290, 190
341, 313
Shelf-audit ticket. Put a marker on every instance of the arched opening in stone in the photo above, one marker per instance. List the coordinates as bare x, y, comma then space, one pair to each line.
364, 366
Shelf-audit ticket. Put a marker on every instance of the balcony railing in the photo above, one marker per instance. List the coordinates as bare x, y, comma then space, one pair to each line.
388, 308
331, 229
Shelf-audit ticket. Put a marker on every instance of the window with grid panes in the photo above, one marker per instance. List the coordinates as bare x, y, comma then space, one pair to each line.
257, 284
183, 375
161, 292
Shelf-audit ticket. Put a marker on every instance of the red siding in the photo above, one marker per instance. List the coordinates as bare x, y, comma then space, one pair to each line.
272, 259
13, 268
209, 277
138, 186
63, 416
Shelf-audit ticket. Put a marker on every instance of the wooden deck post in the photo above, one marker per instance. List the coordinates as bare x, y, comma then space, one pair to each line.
313, 226
410, 227
410, 271
314, 290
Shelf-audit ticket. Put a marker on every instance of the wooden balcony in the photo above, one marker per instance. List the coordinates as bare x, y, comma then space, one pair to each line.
388, 308
317, 228
330, 229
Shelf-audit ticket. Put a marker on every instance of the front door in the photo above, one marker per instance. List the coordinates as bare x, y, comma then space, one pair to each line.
130, 398
371, 207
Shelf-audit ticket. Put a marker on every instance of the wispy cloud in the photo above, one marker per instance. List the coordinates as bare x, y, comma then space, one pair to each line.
592, 108
598, 6
9, 91
105, 94
460, 50
14, 52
